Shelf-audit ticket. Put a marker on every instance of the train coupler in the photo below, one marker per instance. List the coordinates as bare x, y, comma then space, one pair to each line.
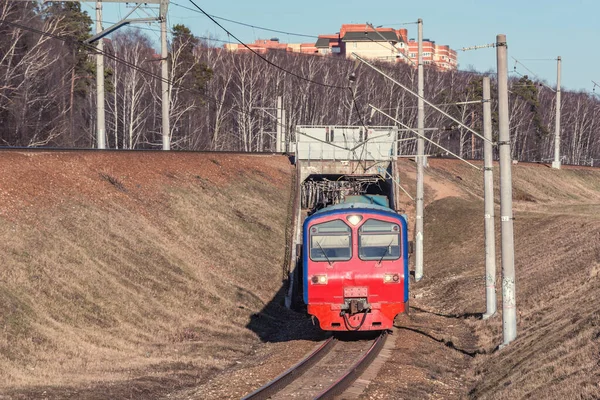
355, 306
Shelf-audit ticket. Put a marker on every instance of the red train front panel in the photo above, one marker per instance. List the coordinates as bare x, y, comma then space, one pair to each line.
355, 268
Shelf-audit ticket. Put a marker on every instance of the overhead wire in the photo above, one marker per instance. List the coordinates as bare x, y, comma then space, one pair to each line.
402, 23
109, 55
594, 88
392, 47
92, 49
207, 38
539, 83
244, 24
530, 71
264, 58
524, 66
275, 65
538, 59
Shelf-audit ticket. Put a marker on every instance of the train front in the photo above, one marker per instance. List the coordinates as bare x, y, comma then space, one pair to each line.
355, 267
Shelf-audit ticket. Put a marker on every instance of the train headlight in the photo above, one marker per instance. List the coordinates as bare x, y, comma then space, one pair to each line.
391, 278
354, 219
319, 279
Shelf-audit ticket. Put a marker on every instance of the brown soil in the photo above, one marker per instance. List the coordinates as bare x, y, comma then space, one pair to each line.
132, 274
444, 349
158, 275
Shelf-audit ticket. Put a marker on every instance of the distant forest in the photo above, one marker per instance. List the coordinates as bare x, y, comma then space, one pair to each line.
218, 98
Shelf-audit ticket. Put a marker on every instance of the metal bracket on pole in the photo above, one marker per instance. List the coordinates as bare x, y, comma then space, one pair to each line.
116, 26
424, 100
424, 137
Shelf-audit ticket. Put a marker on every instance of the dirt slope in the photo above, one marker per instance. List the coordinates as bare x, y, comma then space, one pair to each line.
130, 274
158, 275
445, 350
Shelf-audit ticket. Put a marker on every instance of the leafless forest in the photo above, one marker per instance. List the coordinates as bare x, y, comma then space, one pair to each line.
218, 98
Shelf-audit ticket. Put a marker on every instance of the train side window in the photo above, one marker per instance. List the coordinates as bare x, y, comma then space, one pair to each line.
331, 241
379, 240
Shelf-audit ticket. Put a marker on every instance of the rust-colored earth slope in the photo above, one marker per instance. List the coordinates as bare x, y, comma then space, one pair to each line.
158, 275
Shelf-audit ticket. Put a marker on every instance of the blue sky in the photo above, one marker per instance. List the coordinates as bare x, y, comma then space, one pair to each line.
537, 31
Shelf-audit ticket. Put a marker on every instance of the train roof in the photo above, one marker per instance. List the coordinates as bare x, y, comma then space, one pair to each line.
363, 206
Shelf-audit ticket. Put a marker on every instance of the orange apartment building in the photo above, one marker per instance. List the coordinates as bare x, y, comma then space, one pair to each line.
385, 44
441, 56
261, 46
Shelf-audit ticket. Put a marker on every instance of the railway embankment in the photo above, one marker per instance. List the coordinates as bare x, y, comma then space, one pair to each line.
146, 275
133, 274
445, 349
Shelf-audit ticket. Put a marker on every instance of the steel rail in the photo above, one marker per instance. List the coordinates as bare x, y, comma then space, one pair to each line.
355, 371
291, 374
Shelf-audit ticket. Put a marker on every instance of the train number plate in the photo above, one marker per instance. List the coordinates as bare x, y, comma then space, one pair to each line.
355, 292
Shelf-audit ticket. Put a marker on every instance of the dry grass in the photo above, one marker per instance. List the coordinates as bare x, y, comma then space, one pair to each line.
127, 277
557, 352
557, 239
153, 291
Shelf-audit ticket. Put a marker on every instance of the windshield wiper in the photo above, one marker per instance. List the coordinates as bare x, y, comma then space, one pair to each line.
385, 250
325, 254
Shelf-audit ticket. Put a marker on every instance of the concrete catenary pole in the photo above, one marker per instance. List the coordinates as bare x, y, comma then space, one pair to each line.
166, 126
420, 161
101, 132
509, 311
284, 132
556, 162
488, 195
279, 125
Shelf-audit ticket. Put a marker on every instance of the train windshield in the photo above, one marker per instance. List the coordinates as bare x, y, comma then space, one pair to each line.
330, 241
379, 240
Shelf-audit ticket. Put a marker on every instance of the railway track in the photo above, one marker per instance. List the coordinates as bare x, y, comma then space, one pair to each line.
325, 373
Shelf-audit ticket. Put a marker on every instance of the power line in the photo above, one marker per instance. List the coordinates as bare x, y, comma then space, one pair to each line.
93, 49
401, 23
524, 66
323, 58
245, 24
387, 41
533, 73
208, 38
538, 59
263, 58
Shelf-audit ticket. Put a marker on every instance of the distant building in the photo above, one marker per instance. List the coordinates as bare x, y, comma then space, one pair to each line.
384, 44
262, 46
441, 56
329, 44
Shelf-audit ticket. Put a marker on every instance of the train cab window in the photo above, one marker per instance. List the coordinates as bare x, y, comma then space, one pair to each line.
330, 241
379, 240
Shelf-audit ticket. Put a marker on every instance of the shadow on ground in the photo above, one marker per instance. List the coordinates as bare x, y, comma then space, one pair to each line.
275, 323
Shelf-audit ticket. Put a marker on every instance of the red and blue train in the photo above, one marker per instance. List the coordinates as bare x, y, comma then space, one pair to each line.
355, 266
